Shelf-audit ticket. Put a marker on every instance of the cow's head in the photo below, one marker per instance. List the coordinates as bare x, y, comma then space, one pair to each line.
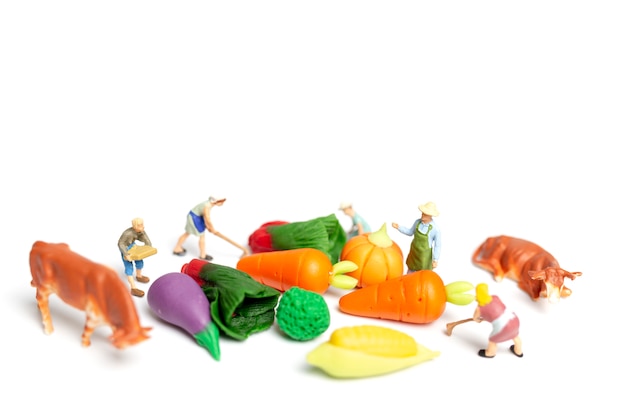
554, 280
124, 337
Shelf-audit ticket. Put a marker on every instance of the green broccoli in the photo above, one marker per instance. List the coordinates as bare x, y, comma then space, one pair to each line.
302, 314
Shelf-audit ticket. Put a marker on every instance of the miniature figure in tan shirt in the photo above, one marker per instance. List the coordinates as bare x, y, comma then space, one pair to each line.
126, 241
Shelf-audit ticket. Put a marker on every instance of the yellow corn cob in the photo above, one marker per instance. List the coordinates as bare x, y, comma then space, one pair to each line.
375, 340
362, 351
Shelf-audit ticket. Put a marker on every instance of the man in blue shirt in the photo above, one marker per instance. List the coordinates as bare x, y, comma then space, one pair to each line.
426, 244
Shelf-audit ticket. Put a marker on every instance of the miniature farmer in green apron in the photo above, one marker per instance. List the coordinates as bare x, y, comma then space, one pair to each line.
426, 244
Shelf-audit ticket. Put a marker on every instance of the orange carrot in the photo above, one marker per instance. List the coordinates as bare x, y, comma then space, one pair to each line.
307, 268
419, 297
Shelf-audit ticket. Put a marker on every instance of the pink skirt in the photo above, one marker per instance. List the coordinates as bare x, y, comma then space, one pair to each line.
508, 332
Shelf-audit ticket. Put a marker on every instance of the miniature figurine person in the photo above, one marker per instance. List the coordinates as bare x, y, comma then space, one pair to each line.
199, 220
126, 241
426, 244
505, 322
359, 225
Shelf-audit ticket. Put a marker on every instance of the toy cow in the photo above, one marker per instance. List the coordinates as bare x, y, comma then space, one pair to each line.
536, 271
88, 286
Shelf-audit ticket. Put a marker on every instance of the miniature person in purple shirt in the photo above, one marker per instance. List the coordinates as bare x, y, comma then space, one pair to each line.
426, 244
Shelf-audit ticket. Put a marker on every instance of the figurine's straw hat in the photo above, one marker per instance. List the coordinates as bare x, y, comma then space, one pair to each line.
344, 205
216, 199
429, 208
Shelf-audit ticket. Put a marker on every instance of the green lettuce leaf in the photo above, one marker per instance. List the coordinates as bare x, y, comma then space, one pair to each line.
240, 305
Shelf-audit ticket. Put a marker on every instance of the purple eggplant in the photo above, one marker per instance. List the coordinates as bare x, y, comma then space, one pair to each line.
177, 299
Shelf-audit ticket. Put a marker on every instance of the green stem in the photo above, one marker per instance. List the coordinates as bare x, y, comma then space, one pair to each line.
456, 293
339, 279
380, 237
208, 338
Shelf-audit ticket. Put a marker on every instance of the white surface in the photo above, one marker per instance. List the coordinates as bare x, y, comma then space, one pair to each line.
511, 118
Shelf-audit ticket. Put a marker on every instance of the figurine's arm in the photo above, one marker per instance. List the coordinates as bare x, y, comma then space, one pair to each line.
121, 244
477, 316
206, 214
436, 236
145, 239
358, 223
409, 231
122, 249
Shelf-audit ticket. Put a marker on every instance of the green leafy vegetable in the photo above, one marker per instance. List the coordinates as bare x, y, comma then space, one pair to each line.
322, 233
240, 305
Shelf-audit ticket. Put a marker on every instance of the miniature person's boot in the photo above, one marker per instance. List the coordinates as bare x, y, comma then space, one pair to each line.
137, 292
133, 290
141, 277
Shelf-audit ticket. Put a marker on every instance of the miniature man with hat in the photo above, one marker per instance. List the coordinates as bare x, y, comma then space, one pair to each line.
359, 225
199, 221
426, 244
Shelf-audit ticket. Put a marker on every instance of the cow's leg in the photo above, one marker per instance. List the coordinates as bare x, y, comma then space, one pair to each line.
534, 288
90, 324
498, 276
488, 257
44, 308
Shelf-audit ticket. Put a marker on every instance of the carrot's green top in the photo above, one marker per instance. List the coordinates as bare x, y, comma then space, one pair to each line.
456, 293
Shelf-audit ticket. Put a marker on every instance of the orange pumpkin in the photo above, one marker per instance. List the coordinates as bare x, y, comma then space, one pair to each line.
377, 256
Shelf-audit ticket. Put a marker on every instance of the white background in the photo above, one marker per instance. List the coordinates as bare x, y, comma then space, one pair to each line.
509, 117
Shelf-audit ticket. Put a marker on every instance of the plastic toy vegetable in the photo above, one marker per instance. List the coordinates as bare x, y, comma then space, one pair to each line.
419, 297
302, 314
240, 305
178, 300
322, 233
363, 351
306, 268
260, 240
377, 256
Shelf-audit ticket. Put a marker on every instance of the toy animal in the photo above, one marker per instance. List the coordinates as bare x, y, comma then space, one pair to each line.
88, 286
536, 271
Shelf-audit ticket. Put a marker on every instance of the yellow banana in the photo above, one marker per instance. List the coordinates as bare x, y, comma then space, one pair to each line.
363, 351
